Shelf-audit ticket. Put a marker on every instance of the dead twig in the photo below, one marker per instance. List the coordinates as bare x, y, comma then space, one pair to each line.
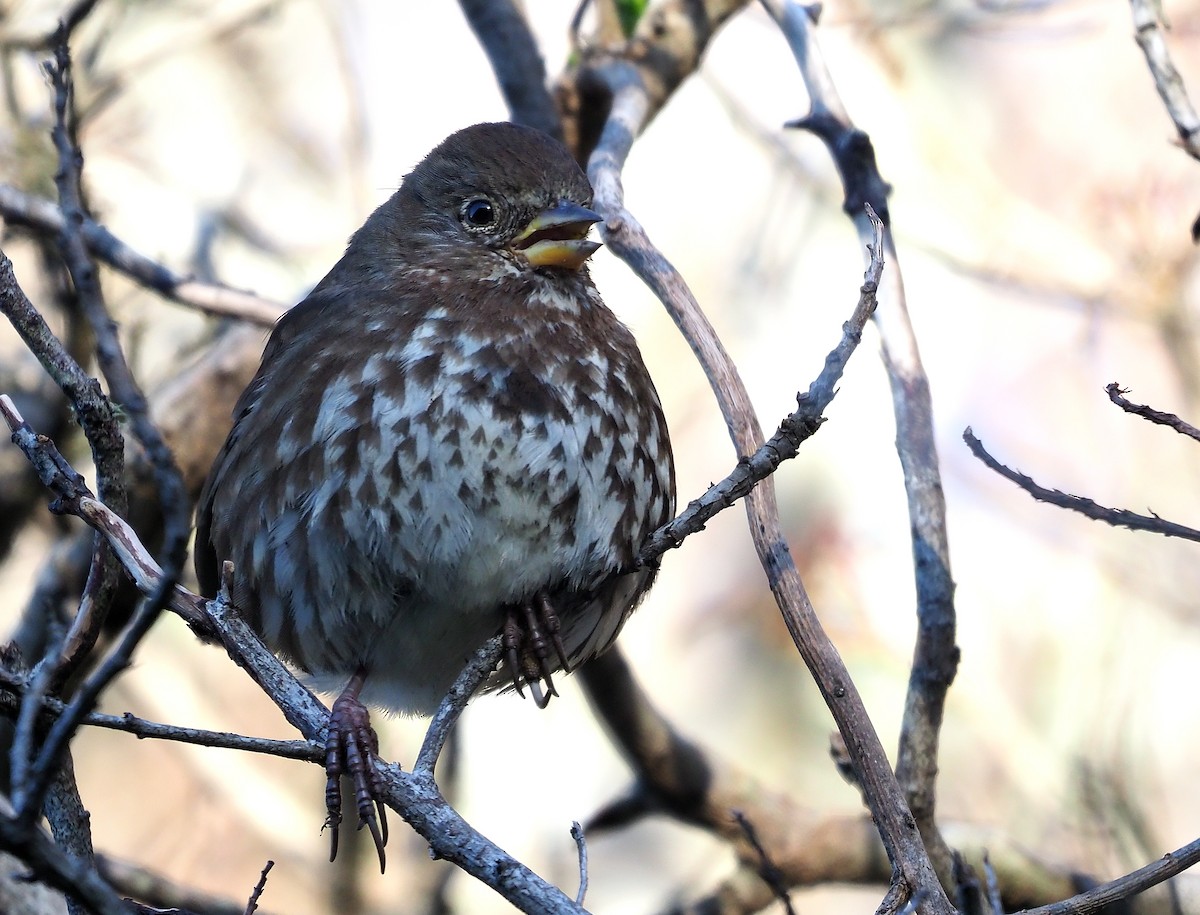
43, 217
1115, 394
1117, 517
935, 654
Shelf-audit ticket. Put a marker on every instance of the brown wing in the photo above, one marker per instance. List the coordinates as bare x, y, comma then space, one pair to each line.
204, 555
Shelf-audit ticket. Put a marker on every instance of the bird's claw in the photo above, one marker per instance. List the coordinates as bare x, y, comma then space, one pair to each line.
351, 747
554, 627
528, 639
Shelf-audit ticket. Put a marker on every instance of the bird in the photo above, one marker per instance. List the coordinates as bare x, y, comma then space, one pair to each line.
450, 438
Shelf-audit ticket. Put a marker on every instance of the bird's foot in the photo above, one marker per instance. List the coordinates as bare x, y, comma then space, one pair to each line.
351, 746
530, 631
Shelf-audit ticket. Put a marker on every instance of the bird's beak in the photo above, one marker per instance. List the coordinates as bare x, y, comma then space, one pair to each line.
557, 237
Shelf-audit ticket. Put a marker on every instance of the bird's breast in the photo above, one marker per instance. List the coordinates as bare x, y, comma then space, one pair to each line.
504, 467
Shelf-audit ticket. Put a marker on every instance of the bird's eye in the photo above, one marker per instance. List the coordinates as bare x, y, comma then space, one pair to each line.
479, 213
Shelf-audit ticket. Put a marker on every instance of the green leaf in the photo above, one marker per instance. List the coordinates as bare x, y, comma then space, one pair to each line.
629, 12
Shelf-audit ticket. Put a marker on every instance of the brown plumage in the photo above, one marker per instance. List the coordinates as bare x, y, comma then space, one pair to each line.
449, 436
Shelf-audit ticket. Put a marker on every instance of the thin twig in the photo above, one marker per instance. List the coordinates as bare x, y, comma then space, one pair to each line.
138, 882
581, 846
1117, 517
1148, 23
42, 216
30, 786
98, 420
92, 409
1115, 392
478, 669
766, 867
935, 654
97, 417
75, 14
28, 791
252, 902
784, 445
72, 496
677, 776
11, 690
123, 387
1140, 880
628, 240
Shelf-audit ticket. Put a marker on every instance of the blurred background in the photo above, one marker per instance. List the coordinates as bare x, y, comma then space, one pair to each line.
1042, 215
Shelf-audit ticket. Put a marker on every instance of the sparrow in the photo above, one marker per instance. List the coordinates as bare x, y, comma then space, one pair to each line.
451, 437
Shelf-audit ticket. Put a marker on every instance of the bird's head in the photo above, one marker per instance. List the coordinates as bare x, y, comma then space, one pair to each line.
497, 197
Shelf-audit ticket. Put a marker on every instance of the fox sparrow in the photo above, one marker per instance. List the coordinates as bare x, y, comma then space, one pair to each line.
449, 438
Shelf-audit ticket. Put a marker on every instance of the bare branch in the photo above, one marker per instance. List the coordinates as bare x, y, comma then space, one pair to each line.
793, 431
581, 845
11, 690
160, 894
68, 819
627, 240
123, 387
42, 216
935, 654
1140, 880
51, 865
677, 777
96, 416
516, 60
1115, 392
256, 894
766, 867
1117, 517
665, 49
1147, 24
478, 669
414, 796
